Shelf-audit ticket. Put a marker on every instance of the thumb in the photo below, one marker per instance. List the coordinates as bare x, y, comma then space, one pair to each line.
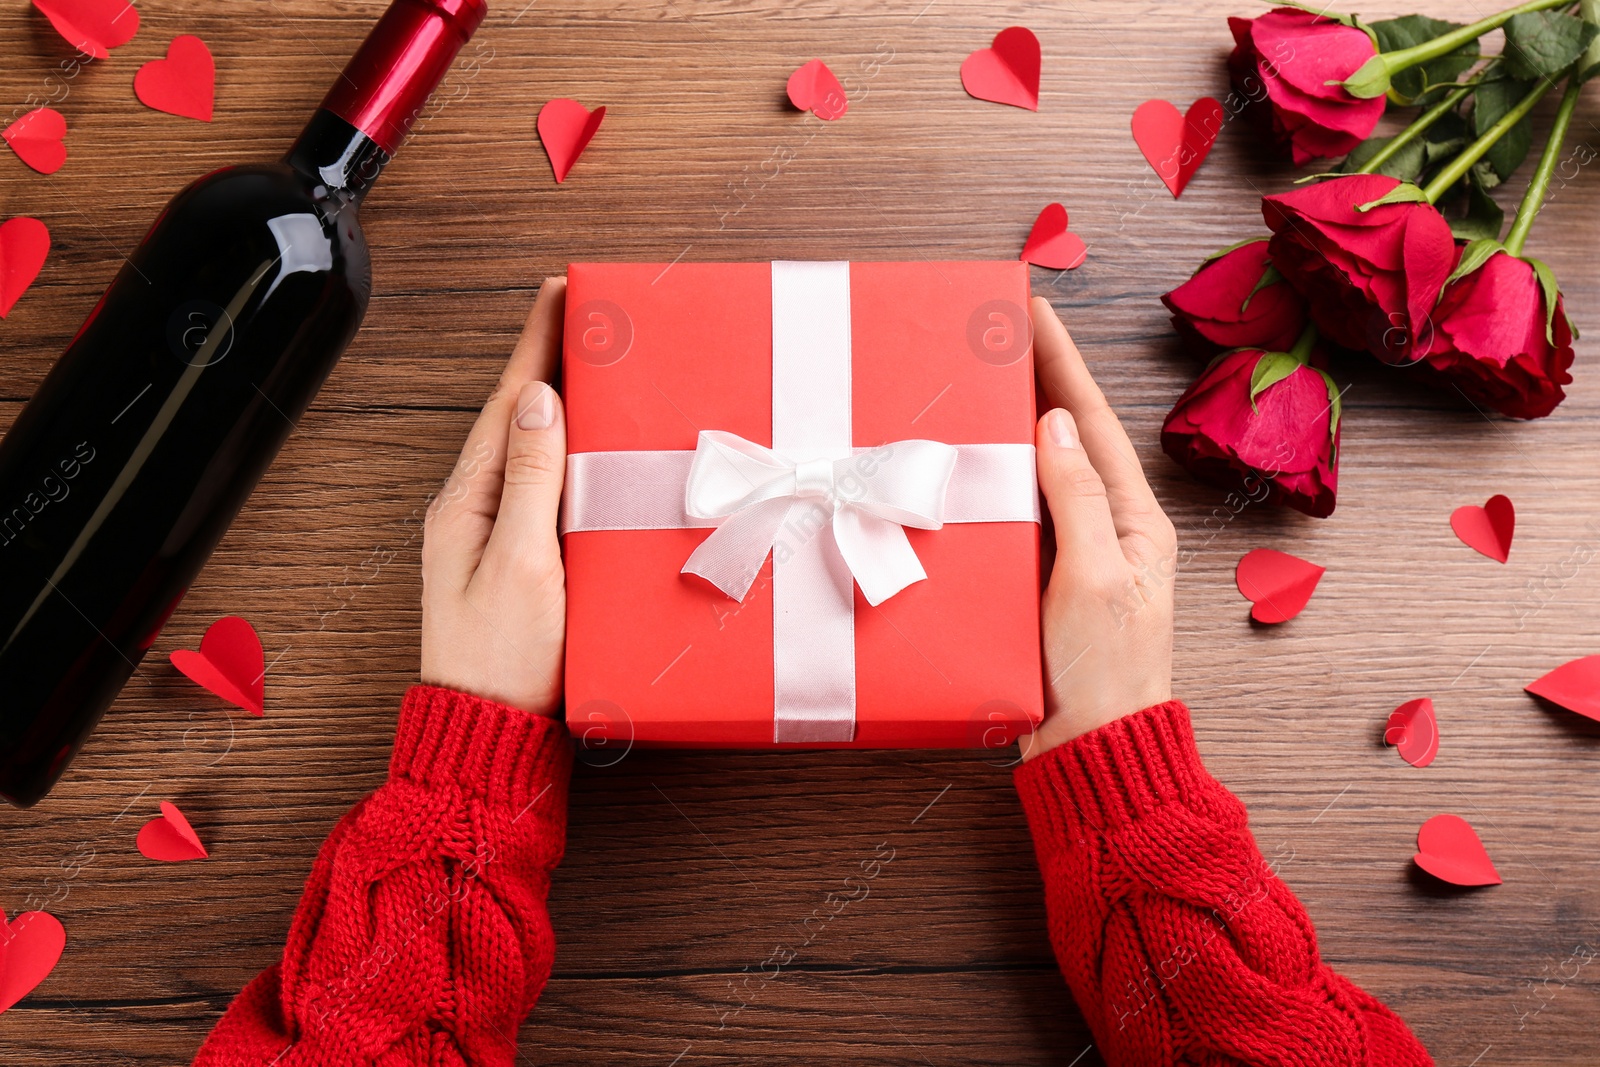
524, 537
1086, 538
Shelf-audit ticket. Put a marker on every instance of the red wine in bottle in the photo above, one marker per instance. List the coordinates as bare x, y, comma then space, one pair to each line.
123, 472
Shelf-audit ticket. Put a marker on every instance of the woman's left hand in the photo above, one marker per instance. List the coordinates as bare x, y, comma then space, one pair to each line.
493, 589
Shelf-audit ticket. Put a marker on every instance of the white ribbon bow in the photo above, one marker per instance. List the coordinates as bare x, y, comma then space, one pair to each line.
769, 503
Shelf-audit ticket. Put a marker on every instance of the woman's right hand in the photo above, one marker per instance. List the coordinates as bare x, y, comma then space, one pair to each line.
494, 598
1108, 606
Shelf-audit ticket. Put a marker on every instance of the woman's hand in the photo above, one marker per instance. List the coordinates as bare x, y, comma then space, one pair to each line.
494, 598
1108, 605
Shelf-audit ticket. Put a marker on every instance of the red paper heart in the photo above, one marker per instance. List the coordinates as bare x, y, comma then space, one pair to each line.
184, 84
230, 664
1448, 848
1276, 583
169, 837
93, 27
1574, 686
1050, 243
24, 244
33, 944
1414, 730
813, 88
565, 127
1007, 72
1175, 145
1487, 529
37, 139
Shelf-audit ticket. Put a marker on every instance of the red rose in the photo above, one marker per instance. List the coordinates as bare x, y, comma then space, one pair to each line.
1371, 278
1225, 304
1287, 435
1291, 64
1494, 340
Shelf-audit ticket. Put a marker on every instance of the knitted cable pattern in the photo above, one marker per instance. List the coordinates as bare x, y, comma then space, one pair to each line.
422, 936
1177, 938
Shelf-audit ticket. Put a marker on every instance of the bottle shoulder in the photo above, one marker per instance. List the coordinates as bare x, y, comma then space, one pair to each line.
268, 199
272, 208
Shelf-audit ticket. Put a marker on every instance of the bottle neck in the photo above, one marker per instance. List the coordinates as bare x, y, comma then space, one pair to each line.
335, 155
369, 111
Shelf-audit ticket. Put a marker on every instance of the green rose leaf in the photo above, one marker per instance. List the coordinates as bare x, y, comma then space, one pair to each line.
1547, 282
1335, 407
1483, 219
1219, 253
1404, 193
1410, 86
1474, 256
1271, 368
1405, 164
1446, 138
1268, 277
1347, 20
1492, 100
1542, 44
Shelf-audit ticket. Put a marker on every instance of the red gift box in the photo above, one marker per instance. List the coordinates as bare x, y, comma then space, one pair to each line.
671, 370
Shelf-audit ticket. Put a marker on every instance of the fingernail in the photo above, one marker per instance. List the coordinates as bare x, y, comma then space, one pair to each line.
536, 406
1062, 429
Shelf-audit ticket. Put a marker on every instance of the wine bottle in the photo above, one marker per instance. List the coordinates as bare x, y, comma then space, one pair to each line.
123, 471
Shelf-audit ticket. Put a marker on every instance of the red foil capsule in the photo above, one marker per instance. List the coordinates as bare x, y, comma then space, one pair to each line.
388, 81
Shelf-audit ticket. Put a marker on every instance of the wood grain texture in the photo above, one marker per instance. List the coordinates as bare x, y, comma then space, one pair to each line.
684, 872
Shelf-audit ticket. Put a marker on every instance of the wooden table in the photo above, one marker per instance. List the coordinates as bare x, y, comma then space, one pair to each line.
684, 872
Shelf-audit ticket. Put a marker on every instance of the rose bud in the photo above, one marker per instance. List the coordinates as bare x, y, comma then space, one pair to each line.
1501, 334
1370, 277
1236, 300
1257, 417
1290, 64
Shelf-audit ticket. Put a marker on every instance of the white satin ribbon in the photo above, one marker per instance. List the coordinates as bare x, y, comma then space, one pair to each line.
645, 489
831, 515
766, 503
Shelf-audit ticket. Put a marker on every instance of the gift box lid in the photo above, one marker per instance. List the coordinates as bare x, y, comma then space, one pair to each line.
657, 353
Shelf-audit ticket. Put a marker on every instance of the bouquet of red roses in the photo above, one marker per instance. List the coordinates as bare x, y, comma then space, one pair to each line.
1396, 251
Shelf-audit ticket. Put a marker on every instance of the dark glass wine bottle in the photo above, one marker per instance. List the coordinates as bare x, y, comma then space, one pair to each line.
122, 473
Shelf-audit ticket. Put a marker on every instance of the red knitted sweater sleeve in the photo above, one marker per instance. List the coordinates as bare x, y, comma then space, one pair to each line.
1179, 941
422, 936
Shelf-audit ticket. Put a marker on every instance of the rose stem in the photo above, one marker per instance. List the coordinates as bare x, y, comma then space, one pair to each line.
1406, 58
1302, 345
1416, 129
1539, 184
1475, 151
